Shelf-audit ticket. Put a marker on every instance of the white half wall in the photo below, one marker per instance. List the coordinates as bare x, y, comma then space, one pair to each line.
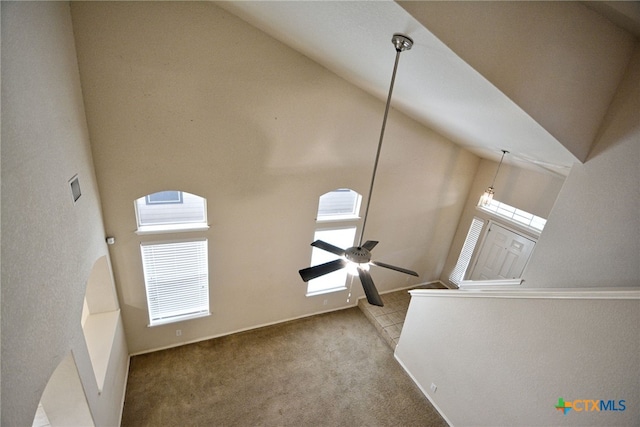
505, 358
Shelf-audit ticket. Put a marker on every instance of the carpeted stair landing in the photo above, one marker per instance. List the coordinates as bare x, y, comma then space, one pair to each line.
389, 319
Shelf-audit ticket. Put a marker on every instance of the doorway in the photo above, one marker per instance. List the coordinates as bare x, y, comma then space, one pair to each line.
504, 254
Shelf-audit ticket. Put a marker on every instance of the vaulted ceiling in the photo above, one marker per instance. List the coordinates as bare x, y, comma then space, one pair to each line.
533, 78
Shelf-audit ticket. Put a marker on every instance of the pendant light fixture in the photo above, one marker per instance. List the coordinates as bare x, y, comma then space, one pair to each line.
487, 197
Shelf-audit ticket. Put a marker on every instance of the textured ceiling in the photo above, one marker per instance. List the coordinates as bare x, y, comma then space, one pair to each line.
528, 77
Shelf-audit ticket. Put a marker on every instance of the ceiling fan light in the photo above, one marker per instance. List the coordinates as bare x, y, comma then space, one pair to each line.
353, 267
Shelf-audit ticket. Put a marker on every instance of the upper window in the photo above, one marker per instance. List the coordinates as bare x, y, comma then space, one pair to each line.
164, 197
166, 211
339, 204
515, 215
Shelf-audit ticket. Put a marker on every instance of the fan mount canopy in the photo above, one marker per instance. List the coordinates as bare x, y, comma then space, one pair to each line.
401, 42
357, 254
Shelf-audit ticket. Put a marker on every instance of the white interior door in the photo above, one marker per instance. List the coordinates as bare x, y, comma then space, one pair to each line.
503, 255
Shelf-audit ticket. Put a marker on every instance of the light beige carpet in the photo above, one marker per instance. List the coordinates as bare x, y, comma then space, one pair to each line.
327, 370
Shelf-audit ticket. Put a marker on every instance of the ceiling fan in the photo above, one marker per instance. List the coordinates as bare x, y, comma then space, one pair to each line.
358, 258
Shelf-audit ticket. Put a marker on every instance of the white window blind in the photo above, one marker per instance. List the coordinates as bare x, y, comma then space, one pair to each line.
467, 250
339, 204
176, 279
170, 210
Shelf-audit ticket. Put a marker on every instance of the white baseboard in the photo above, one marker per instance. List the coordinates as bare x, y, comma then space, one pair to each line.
442, 414
250, 328
124, 391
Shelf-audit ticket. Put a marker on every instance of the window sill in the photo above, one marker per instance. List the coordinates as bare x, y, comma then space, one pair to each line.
337, 218
99, 332
178, 319
173, 228
326, 291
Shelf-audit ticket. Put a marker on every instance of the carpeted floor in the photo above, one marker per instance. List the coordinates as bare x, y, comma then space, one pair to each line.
328, 370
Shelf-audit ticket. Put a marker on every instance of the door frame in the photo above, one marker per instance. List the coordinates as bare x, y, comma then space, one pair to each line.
481, 242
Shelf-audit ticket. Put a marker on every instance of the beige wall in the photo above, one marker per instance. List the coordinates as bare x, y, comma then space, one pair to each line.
560, 61
49, 244
592, 237
186, 96
526, 189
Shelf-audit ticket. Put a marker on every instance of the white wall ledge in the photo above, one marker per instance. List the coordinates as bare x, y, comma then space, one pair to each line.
481, 284
99, 332
530, 293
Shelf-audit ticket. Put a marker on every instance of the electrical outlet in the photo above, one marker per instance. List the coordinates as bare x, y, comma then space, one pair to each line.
433, 387
178, 332
324, 302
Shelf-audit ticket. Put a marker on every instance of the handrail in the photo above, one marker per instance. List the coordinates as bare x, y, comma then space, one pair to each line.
533, 293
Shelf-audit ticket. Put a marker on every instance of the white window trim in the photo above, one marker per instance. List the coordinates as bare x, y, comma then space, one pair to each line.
520, 225
476, 229
337, 222
180, 319
327, 291
354, 215
506, 221
339, 287
171, 228
337, 218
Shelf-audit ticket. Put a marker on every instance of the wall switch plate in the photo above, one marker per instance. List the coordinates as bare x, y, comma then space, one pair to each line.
178, 332
433, 387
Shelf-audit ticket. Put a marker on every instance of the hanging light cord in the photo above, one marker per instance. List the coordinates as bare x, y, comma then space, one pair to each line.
498, 170
384, 125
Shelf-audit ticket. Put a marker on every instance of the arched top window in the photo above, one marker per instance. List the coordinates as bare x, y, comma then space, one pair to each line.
339, 204
170, 210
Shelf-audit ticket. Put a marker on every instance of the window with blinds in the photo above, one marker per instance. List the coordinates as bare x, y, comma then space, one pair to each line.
342, 203
467, 250
176, 280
